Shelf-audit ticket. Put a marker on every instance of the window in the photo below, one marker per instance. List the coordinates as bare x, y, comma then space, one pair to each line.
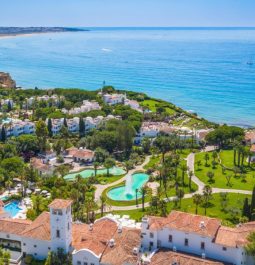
24, 244
85, 263
170, 238
35, 246
151, 235
151, 244
186, 242
78, 263
224, 249
92, 264
35, 254
49, 248
202, 245
68, 226
58, 234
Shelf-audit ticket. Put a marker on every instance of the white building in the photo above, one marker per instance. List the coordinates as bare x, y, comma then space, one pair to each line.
113, 99
133, 104
54, 99
106, 242
197, 235
85, 107
16, 127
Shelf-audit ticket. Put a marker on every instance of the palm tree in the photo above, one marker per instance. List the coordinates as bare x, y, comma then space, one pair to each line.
136, 196
206, 157
103, 200
109, 163
143, 192
184, 169
207, 192
197, 200
190, 177
96, 165
180, 195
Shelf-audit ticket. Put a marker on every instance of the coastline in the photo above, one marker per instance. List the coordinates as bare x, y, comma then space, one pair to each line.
7, 36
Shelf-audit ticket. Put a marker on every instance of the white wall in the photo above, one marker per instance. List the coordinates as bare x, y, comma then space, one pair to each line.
84, 255
212, 250
37, 248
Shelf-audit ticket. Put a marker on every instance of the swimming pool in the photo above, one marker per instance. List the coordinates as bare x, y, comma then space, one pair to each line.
116, 171
12, 208
121, 194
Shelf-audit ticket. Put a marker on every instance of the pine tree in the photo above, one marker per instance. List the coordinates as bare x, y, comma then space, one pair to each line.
49, 127
246, 209
81, 127
3, 134
252, 208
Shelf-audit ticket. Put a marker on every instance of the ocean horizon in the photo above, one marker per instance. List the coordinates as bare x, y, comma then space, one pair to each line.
200, 69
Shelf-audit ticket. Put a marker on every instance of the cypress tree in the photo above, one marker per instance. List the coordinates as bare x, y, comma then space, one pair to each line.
81, 127
246, 209
49, 127
3, 134
252, 208
65, 123
9, 107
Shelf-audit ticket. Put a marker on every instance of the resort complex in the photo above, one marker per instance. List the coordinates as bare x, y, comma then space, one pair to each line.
115, 177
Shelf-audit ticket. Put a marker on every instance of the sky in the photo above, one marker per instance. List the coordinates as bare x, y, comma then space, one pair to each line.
125, 13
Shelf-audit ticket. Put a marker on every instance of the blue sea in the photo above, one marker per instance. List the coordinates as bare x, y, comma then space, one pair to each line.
200, 69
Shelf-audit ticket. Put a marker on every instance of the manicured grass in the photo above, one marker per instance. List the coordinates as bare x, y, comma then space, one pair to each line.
152, 105
103, 179
154, 161
215, 209
220, 181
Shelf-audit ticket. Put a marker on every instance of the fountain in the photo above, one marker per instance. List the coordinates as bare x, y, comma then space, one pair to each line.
128, 187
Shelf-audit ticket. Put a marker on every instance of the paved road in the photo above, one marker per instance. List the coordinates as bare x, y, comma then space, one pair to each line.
100, 188
195, 179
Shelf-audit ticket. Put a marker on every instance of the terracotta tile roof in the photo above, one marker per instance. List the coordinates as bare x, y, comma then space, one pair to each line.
95, 240
14, 226
60, 203
232, 237
186, 222
122, 252
1, 203
40, 228
83, 154
39, 165
252, 148
167, 257
250, 135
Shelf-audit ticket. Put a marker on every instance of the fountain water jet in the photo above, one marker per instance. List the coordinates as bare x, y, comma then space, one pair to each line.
128, 187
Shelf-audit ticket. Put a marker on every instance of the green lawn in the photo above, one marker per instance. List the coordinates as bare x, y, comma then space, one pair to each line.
245, 182
234, 201
152, 105
154, 161
103, 179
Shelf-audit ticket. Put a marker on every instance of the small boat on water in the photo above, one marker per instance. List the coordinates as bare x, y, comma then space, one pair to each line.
250, 62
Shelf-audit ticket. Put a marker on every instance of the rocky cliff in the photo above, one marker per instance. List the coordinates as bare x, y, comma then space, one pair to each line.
6, 81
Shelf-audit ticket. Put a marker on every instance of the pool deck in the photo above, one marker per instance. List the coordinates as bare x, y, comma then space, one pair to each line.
100, 188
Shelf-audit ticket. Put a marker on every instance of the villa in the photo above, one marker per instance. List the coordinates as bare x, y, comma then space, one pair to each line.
113, 99
73, 124
133, 104
80, 155
107, 241
16, 127
250, 137
178, 239
54, 99
196, 235
85, 107
43, 168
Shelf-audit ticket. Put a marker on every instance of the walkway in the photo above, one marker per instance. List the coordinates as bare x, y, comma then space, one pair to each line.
195, 179
100, 188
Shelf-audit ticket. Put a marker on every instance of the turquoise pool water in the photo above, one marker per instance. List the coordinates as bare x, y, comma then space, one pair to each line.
120, 194
116, 171
12, 208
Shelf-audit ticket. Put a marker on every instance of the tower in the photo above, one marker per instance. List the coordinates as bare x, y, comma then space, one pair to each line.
61, 224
